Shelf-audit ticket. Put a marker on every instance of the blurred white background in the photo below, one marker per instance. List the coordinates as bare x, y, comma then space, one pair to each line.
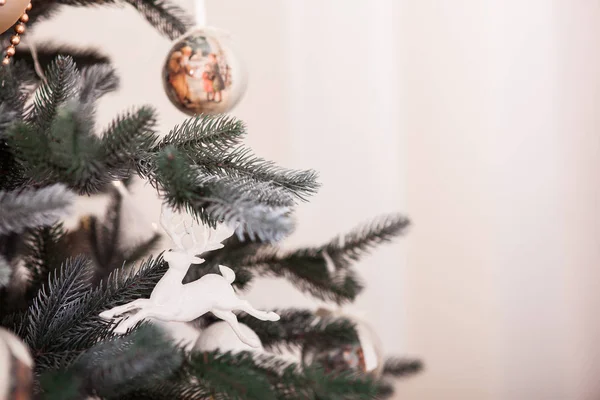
478, 119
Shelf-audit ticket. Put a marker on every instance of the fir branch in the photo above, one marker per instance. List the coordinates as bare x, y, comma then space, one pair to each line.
325, 271
11, 172
69, 152
46, 52
235, 250
13, 95
256, 210
349, 248
66, 285
74, 150
78, 326
401, 367
105, 243
105, 237
169, 19
30, 150
256, 377
61, 84
301, 329
307, 270
96, 81
232, 376
5, 272
117, 366
44, 256
386, 390
242, 163
341, 386
28, 208
195, 135
125, 141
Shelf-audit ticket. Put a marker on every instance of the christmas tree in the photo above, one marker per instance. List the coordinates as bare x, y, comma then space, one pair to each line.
55, 284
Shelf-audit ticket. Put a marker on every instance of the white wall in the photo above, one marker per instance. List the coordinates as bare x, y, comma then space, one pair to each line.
501, 117
479, 119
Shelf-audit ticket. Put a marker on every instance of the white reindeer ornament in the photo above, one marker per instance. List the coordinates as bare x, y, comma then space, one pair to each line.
171, 300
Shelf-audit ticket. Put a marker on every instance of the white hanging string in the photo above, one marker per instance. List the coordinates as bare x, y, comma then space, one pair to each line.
36, 63
200, 11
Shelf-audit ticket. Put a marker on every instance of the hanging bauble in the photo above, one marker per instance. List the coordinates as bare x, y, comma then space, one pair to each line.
10, 12
219, 336
363, 355
202, 74
15, 368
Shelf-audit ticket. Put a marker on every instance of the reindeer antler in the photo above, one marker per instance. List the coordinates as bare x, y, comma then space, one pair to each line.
211, 238
166, 221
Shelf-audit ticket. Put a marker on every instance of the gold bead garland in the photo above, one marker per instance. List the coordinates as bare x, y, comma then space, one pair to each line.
16, 38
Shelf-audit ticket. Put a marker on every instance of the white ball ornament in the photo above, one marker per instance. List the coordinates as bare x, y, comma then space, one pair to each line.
10, 12
202, 74
363, 356
15, 367
219, 336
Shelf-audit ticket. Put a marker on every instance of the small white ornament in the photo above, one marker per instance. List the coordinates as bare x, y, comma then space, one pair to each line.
16, 365
171, 300
220, 336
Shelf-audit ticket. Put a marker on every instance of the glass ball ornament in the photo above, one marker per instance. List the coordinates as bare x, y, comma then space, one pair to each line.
219, 336
16, 376
363, 355
202, 73
10, 12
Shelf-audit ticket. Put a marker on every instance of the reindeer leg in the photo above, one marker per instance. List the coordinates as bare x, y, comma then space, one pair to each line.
231, 319
134, 319
110, 314
262, 315
156, 312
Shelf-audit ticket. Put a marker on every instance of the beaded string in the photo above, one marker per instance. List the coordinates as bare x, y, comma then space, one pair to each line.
16, 38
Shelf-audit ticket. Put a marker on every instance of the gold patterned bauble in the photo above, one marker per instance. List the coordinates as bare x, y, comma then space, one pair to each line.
202, 74
10, 12
363, 355
16, 377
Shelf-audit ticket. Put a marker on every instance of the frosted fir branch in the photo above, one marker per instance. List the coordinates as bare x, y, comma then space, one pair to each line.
197, 134
236, 205
256, 209
28, 208
241, 162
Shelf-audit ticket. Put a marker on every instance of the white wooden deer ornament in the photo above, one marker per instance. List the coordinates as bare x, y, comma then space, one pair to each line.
171, 300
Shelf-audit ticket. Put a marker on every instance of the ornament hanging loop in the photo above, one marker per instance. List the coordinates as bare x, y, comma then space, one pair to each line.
200, 13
